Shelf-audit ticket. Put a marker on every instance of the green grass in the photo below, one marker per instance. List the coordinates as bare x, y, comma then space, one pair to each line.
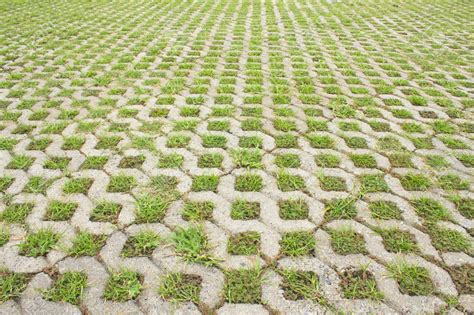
248, 182
5, 183
385, 210
178, 287
60, 211
4, 236
345, 241
121, 183
288, 182
205, 183
412, 280
398, 241
359, 284
94, 162
37, 185
293, 209
299, 285
245, 210
77, 185
453, 182
338, 209
363, 160
192, 245
327, 160
243, 286
20, 162
87, 244
415, 182
132, 161
332, 183
298, 243
142, 244
430, 209
16, 212
122, 286
245, 243
12, 285
288, 160
448, 240
106, 212
197, 211
69, 287
150, 209
56, 163
373, 183
172, 160
38, 243
210, 160
247, 158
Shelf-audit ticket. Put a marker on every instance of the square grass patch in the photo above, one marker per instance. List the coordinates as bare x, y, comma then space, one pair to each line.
16, 212
337, 209
192, 245
448, 240
210, 160
373, 183
205, 183
78, 185
121, 184
415, 182
245, 243
123, 285
359, 284
247, 158
60, 211
39, 243
288, 160
106, 212
430, 209
245, 210
453, 182
332, 183
180, 287
172, 160
142, 244
345, 241
412, 280
150, 209
132, 161
197, 211
363, 160
57, 163
68, 287
385, 210
87, 244
301, 285
327, 160
38, 185
243, 286
293, 209
20, 162
398, 241
248, 182
299, 243
287, 182
12, 285
95, 162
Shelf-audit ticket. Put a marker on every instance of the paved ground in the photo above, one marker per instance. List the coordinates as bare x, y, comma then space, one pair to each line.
234, 156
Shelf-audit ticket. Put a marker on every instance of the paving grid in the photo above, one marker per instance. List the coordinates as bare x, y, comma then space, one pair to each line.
235, 156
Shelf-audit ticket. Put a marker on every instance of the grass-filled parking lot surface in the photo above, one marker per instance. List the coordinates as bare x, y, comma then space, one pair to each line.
236, 156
